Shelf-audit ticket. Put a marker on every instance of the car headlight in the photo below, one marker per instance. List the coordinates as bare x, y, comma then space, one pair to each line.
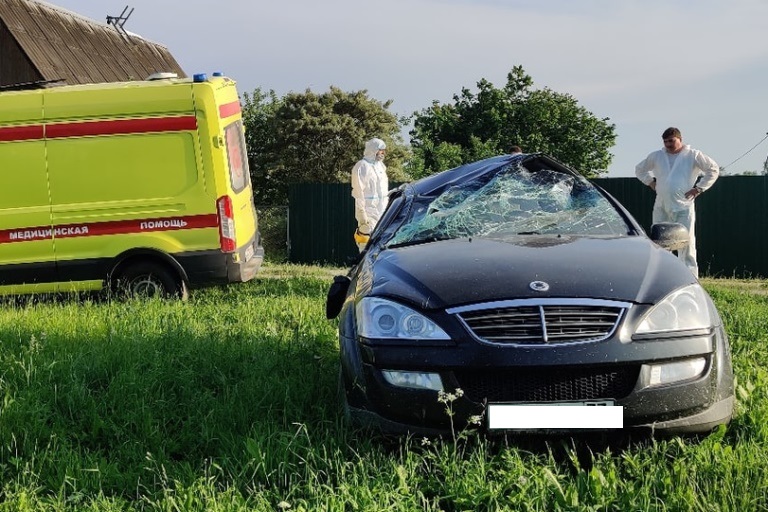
382, 318
681, 310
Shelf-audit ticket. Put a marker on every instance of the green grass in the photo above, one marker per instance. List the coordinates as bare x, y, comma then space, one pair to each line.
228, 403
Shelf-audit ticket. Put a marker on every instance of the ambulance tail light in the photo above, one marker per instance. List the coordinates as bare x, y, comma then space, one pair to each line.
226, 224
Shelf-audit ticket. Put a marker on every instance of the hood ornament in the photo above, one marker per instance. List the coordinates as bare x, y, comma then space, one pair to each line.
539, 286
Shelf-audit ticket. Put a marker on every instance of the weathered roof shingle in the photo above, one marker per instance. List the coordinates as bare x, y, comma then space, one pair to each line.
66, 48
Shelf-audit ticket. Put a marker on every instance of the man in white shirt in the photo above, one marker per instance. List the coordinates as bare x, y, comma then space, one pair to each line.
678, 174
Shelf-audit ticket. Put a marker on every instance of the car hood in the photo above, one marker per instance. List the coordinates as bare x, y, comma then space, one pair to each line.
455, 272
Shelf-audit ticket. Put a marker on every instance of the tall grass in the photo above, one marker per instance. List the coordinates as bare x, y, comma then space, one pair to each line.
228, 402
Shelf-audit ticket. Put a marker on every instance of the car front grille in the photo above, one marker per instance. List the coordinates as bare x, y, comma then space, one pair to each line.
554, 384
543, 323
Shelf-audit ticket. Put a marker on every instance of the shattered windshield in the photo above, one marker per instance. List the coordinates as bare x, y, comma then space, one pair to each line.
514, 202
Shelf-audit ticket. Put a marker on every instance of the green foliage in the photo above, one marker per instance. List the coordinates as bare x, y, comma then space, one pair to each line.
227, 402
315, 138
430, 156
259, 110
488, 122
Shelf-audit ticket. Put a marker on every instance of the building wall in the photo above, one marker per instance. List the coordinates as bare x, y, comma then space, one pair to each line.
15, 66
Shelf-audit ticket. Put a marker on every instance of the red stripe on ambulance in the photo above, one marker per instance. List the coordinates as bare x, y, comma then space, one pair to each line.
229, 109
121, 126
12, 133
119, 227
91, 128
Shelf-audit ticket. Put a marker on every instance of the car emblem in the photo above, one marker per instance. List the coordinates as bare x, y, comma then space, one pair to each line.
539, 286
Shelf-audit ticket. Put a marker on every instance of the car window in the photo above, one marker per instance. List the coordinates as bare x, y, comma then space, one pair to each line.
514, 202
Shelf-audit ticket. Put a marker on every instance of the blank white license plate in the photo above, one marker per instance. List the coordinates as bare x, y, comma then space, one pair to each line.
248, 253
596, 414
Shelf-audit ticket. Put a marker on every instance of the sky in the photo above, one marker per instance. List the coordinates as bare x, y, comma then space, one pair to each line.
698, 65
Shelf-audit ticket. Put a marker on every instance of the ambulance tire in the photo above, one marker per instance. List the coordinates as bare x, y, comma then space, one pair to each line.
150, 279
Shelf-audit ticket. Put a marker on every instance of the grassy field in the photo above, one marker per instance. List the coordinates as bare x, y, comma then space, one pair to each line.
228, 403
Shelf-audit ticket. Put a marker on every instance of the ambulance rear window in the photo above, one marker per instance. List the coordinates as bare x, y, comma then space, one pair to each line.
238, 158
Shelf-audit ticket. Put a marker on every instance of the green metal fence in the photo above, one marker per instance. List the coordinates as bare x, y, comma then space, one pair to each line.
732, 222
321, 224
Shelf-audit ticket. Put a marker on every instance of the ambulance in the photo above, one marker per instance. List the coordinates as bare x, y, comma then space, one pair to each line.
140, 187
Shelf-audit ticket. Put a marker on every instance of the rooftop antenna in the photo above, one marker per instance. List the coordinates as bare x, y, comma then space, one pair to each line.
119, 21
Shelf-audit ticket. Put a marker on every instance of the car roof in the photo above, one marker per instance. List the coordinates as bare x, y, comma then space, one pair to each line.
437, 183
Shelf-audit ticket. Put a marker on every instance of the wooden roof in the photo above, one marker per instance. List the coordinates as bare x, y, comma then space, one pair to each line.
66, 48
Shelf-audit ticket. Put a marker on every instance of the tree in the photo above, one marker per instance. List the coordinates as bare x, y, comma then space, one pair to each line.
259, 110
486, 123
309, 137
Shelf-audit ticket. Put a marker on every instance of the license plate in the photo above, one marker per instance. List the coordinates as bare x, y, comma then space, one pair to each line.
592, 414
248, 253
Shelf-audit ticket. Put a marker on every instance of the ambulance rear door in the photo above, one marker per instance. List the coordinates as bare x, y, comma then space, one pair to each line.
223, 123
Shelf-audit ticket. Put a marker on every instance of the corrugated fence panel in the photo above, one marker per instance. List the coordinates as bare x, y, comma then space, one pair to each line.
732, 223
731, 226
321, 223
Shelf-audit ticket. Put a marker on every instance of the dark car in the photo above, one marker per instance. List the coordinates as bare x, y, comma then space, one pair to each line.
515, 294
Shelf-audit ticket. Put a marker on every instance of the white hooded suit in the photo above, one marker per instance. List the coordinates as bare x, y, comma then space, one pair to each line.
370, 187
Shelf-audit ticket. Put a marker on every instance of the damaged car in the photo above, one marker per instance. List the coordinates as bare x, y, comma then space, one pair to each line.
514, 294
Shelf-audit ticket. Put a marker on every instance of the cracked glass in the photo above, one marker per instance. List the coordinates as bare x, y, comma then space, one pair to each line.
513, 202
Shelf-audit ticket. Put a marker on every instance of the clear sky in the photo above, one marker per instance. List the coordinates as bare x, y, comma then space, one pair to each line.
699, 65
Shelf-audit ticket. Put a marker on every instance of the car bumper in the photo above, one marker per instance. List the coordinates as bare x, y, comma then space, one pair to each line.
244, 265
205, 268
696, 405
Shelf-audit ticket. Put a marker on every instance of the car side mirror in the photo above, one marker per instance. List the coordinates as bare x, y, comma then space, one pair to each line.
670, 235
337, 293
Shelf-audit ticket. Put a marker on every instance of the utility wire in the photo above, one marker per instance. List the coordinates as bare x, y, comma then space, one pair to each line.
748, 152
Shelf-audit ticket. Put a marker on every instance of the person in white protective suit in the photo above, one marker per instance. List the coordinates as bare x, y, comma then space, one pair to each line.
678, 174
370, 187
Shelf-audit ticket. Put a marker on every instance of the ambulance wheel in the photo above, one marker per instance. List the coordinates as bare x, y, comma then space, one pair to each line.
149, 279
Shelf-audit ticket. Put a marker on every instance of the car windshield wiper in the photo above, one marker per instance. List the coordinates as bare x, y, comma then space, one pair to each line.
541, 230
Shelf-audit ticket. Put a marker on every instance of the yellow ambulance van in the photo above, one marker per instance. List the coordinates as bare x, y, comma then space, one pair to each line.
140, 187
